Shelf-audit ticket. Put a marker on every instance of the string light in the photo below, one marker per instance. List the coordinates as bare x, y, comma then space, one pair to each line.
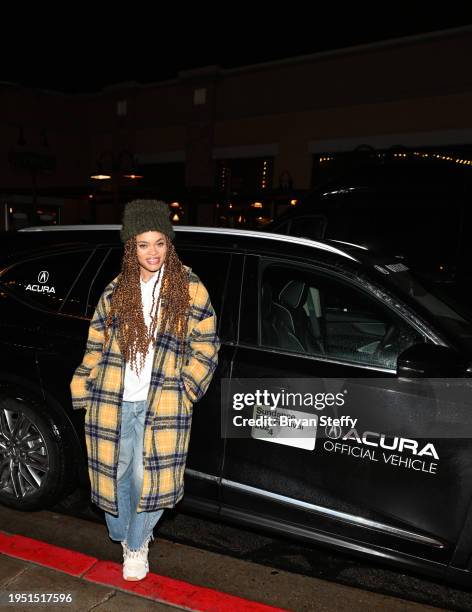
264, 174
438, 156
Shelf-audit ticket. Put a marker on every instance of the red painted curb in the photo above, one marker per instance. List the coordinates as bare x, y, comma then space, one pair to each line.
175, 592
156, 587
55, 557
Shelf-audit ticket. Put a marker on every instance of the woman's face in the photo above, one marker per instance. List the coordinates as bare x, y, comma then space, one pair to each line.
151, 249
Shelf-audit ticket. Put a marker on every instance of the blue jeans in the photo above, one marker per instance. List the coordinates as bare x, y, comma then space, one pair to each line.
130, 526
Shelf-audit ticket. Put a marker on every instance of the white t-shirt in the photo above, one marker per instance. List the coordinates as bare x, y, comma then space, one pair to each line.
136, 386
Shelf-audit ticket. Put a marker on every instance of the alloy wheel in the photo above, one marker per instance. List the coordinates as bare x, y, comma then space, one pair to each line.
24, 458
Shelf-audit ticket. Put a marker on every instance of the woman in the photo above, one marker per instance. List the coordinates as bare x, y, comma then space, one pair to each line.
151, 353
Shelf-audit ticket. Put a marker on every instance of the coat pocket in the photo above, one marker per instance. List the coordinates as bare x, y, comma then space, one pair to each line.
174, 423
184, 397
92, 377
170, 438
91, 384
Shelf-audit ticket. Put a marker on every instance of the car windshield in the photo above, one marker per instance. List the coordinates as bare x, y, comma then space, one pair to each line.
428, 228
445, 302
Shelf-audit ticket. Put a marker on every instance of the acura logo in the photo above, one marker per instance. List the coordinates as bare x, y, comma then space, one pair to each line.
43, 276
333, 431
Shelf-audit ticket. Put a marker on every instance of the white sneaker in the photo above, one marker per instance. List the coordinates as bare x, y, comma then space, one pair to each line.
135, 562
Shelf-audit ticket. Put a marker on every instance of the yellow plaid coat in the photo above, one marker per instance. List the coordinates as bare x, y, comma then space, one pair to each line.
98, 384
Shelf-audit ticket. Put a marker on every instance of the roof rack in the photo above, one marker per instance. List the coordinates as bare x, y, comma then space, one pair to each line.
205, 230
70, 228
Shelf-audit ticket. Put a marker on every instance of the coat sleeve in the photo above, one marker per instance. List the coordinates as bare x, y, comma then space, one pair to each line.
203, 346
92, 356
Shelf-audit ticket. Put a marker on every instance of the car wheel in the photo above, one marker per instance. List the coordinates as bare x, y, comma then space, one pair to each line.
32, 461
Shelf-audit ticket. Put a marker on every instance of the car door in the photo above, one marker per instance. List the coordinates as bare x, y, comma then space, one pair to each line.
62, 330
307, 322
221, 274
35, 289
44, 284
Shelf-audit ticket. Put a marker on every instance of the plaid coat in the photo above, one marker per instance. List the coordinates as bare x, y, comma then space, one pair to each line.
98, 384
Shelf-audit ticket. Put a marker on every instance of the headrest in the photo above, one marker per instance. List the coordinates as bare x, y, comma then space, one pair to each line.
291, 294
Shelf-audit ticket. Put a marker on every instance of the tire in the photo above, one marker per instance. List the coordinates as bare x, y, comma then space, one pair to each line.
32, 458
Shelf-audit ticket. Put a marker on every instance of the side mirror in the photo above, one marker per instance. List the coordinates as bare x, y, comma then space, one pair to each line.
431, 361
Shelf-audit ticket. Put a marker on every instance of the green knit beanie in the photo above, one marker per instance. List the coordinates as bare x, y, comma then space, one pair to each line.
146, 215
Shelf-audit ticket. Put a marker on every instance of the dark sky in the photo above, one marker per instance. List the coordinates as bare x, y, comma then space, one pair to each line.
96, 59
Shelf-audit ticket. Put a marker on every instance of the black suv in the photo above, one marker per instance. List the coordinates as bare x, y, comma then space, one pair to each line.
288, 308
419, 211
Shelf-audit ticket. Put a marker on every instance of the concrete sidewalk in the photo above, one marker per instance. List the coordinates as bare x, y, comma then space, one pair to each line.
196, 579
19, 576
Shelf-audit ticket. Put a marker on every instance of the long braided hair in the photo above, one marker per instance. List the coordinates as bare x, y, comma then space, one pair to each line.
134, 338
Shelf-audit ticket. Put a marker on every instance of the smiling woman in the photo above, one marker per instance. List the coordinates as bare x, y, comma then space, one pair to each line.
141, 261
151, 252
153, 341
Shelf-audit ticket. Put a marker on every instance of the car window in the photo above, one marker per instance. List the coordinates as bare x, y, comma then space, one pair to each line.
212, 269
46, 281
314, 314
108, 269
76, 301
